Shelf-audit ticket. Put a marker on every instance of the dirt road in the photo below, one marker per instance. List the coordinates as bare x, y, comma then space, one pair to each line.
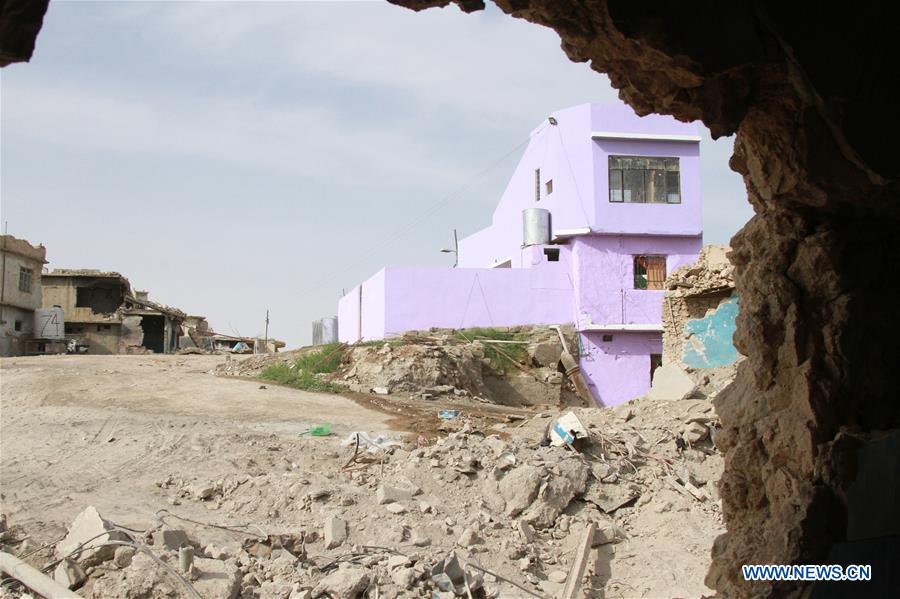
124, 421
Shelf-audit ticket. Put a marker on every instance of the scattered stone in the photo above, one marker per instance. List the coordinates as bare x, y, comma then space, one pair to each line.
420, 539
69, 574
404, 578
391, 494
380, 390
87, 525
519, 488
546, 353
123, 556
557, 576
170, 538
468, 538
216, 578
335, 532
395, 508
202, 491
671, 383
695, 432
605, 533
558, 492
347, 582
526, 530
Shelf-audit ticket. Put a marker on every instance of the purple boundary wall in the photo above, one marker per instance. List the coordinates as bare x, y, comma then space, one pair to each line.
421, 298
618, 370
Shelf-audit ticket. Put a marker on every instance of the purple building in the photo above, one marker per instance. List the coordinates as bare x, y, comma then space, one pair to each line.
618, 199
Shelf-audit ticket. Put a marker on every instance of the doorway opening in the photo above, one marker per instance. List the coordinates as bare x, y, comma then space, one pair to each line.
154, 333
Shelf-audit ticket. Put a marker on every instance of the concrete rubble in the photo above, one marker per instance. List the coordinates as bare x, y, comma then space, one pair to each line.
481, 504
441, 364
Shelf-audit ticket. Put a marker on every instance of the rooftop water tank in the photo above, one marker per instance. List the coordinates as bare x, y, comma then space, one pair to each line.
48, 323
535, 226
325, 330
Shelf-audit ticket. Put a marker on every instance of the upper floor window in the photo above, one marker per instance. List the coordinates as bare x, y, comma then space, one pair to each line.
25, 275
537, 185
639, 179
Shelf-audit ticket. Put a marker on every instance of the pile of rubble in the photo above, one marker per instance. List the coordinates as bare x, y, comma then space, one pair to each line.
712, 272
612, 502
430, 364
415, 367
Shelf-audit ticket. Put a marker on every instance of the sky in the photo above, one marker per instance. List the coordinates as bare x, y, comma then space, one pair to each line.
238, 157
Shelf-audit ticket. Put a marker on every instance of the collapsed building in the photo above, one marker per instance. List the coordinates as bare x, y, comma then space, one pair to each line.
103, 316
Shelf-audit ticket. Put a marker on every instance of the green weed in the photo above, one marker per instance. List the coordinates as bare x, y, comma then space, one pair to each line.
302, 373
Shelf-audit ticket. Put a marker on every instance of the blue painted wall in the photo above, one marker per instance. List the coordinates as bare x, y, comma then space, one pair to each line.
709, 343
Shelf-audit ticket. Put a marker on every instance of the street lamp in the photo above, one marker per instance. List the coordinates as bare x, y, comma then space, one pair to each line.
454, 251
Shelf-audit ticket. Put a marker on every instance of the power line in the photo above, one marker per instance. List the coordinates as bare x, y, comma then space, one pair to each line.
404, 230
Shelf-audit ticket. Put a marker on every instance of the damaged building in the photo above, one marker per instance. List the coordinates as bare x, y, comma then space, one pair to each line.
700, 311
104, 316
20, 292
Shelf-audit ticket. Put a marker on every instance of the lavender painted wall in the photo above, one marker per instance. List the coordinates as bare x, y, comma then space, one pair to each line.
370, 295
618, 370
649, 219
603, 273
563, 154
405, 299
467, 297
578, 165
348, 316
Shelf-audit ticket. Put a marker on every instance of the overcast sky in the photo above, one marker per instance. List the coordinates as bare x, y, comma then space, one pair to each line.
236, 156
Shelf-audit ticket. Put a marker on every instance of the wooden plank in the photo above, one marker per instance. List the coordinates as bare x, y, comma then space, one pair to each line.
579, 564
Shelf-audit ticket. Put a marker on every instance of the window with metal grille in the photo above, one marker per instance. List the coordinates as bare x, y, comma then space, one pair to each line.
641, 180
649, 272
25, 275
537, 185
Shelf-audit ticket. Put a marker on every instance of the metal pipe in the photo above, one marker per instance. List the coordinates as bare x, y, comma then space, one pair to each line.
561, 338
186, 558
34, 579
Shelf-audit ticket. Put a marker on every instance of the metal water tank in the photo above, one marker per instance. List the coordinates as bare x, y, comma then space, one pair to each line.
535, 226
325, 330
48, 323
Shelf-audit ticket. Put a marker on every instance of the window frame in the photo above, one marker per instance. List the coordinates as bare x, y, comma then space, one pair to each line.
623, 170
26, 279
647, 282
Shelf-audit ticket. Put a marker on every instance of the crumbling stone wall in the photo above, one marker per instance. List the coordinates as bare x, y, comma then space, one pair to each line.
810, 103
693, 292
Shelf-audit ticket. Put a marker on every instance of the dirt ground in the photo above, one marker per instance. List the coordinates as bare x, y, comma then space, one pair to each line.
132, 435
123, 420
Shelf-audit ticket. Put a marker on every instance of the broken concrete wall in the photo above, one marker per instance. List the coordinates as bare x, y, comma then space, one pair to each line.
101, 339
708, 341
132, 335
699, 312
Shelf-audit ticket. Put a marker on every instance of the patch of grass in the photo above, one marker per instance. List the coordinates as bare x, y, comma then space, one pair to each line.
500, 354
302, 373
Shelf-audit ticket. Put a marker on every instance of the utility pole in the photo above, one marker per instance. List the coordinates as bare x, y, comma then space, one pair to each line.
454, 251
267, 330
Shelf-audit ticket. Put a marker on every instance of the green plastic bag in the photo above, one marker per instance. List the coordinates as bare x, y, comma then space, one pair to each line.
323, 430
